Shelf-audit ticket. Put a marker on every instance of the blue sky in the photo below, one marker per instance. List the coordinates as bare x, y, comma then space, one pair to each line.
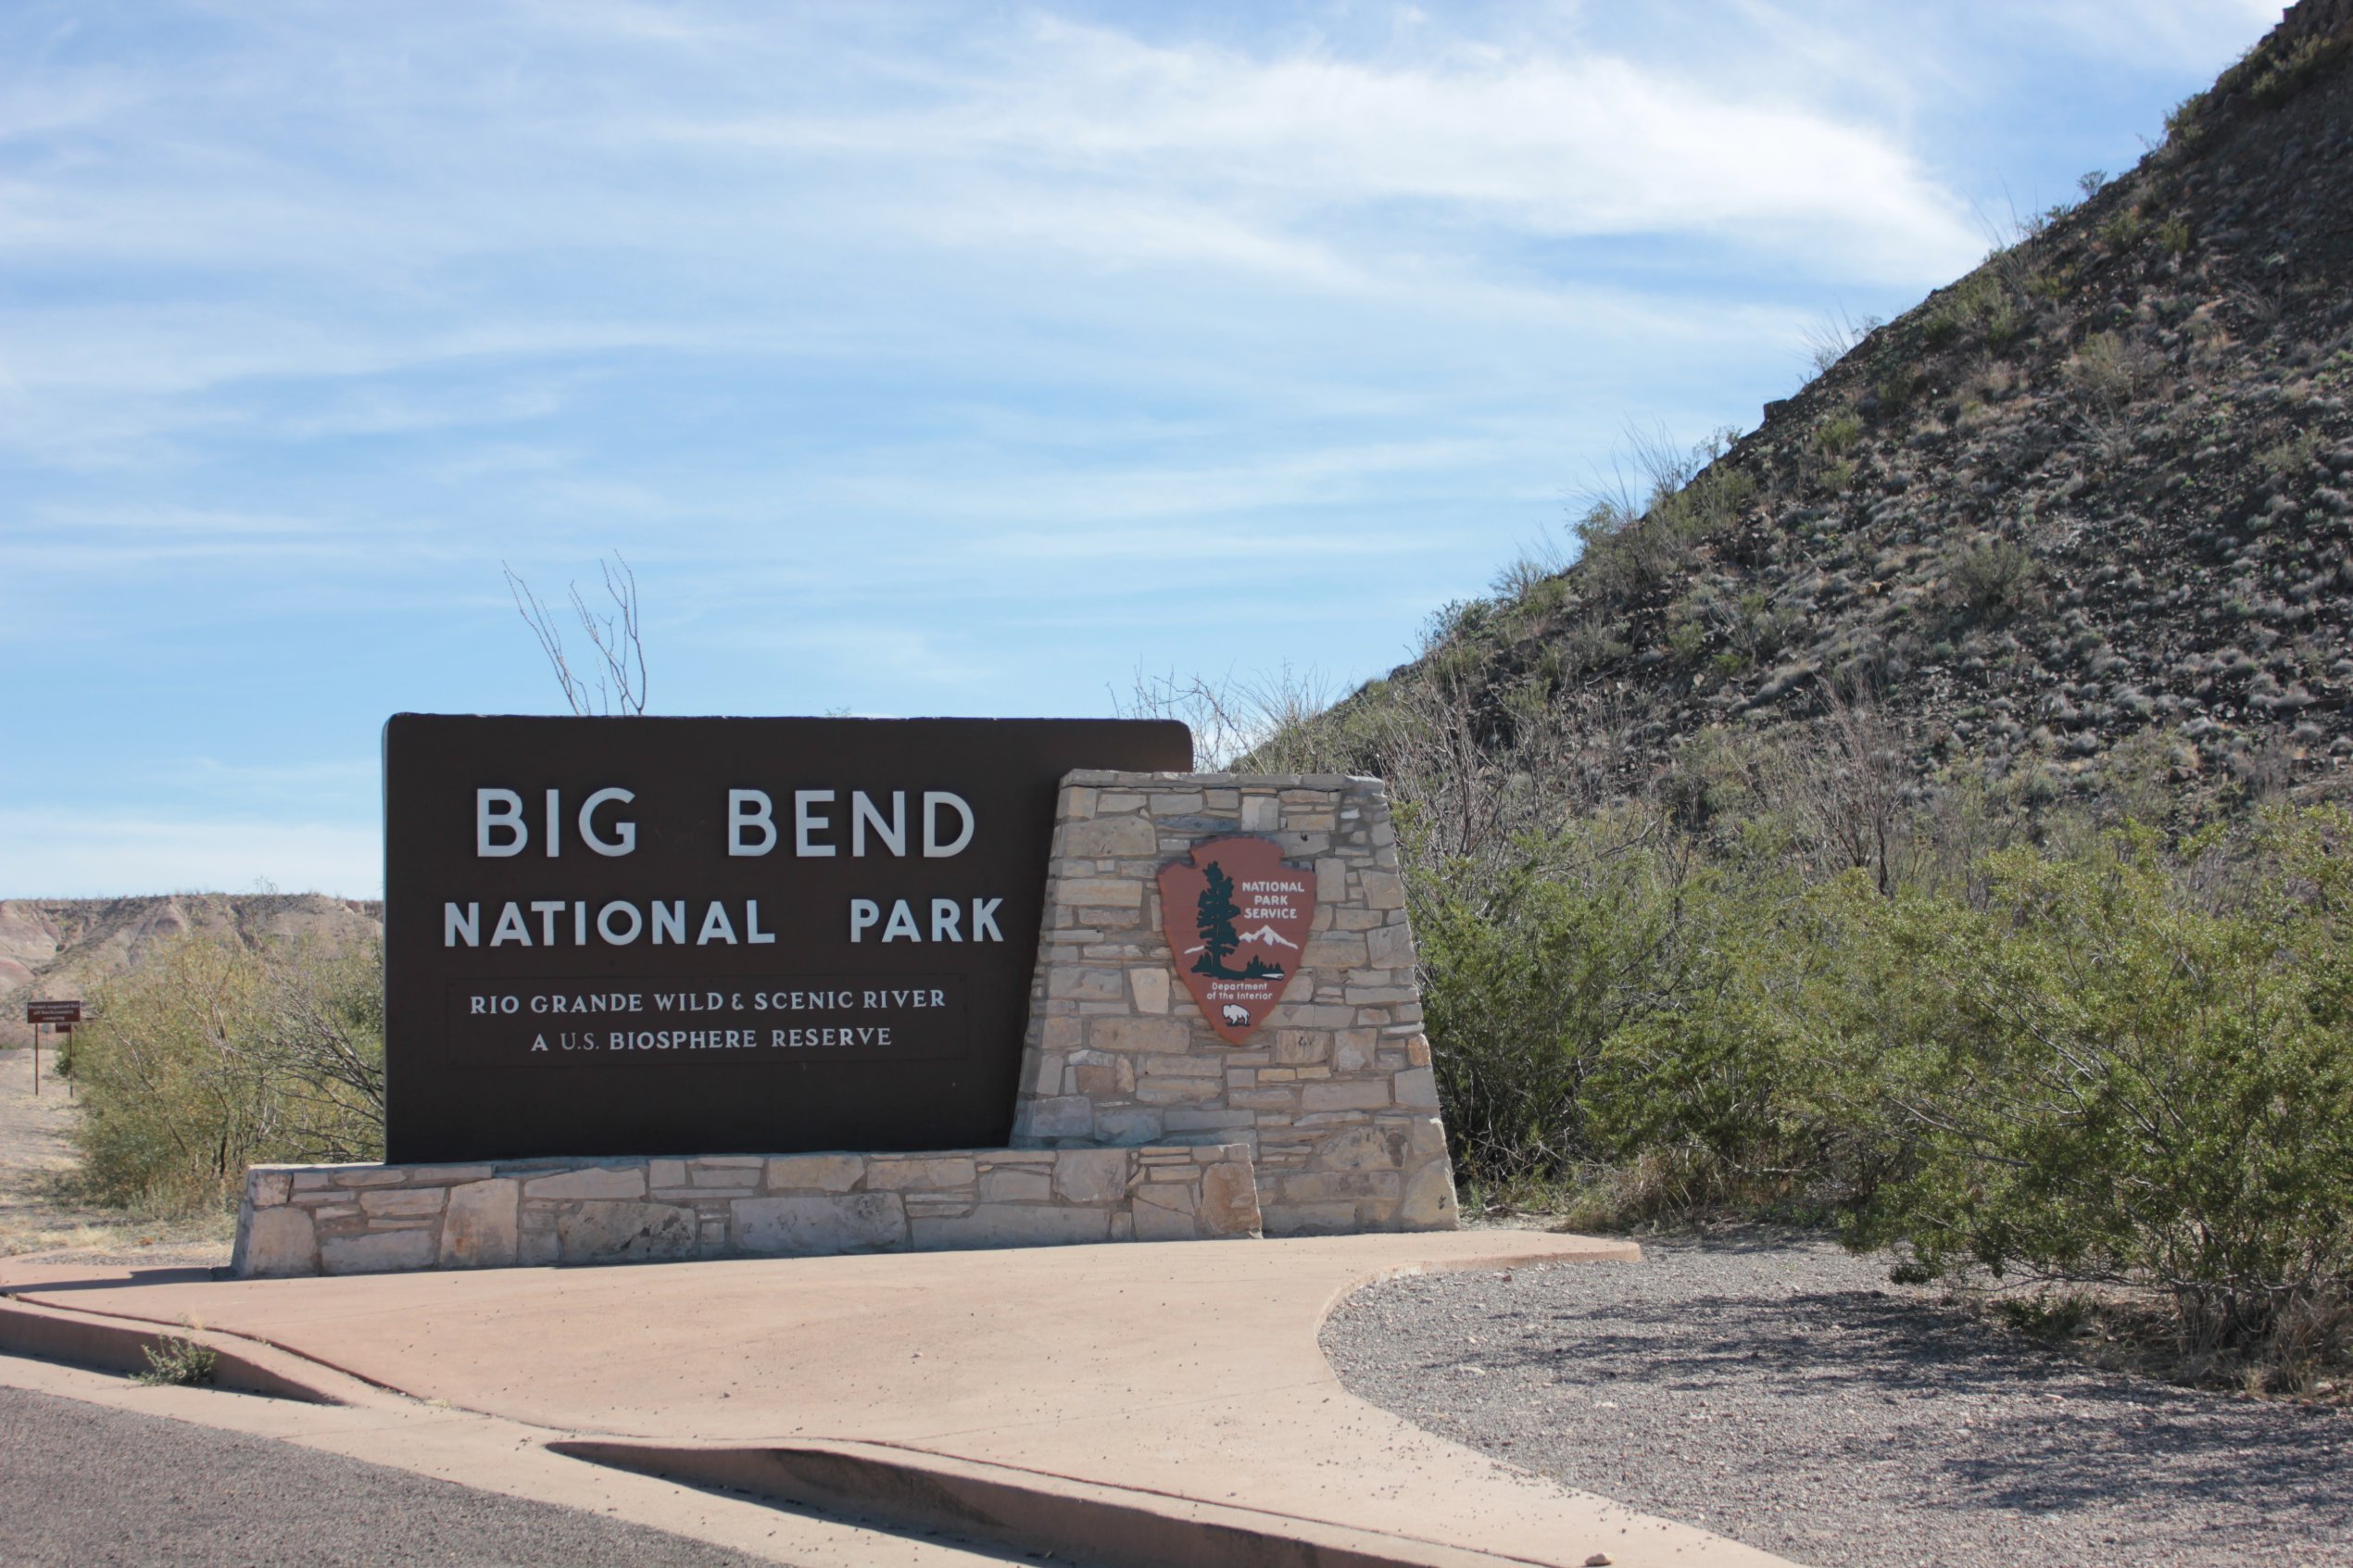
922, 359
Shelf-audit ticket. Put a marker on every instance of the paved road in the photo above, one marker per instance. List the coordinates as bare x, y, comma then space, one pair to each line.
85, 1486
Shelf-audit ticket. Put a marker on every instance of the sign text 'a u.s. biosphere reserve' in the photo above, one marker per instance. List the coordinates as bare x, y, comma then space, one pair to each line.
632, 936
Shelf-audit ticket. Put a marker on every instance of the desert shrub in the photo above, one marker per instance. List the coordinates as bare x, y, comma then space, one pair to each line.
2285, 459
1624, 552
1606, 1012
1758, 629
1989, 579
2274, 69
2005, 323
2109, 371
2050, 284
1980, 304
1626, 544
1896, 389
1593, 640
2095, 1074
214, 1056
1528, 977
1457, 622
1710, 1083
2123, 230
1686, 638
1285, 721
1836, 435
2183, 121
1973, 1030
176, 1361
1834, 338
1531, 580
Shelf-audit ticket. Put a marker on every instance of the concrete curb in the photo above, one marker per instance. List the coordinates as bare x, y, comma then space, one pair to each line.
119, 1345
896, 1488
901, 1491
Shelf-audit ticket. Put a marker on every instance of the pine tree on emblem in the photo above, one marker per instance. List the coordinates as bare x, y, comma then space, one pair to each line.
1213, 918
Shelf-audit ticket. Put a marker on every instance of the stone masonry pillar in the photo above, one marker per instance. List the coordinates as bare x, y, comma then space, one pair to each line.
1333, 1094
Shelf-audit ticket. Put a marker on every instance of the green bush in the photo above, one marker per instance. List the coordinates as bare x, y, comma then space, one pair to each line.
2089, 1060
2093, 1074
1835, 436
213, 1056
176, 1361
1527, 979
1708, 1086
1601, 1006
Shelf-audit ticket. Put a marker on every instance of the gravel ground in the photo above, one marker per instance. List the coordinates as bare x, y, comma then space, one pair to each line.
1771, 1388
94, 1487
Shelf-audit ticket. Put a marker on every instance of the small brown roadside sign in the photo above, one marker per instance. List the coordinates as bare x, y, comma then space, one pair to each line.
59, 1014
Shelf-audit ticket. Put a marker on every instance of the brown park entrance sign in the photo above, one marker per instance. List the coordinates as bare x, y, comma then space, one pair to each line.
1237, 918
644, 936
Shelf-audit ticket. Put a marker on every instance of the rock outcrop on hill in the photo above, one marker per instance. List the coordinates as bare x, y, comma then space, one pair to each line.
73, 946
2085, 516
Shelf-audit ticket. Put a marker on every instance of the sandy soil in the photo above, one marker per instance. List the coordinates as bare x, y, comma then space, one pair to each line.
39, 1211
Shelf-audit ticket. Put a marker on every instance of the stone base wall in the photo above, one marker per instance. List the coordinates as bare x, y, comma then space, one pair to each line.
1333, 1095
373, 1219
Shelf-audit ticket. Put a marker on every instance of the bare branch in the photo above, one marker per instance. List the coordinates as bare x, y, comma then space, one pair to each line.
621, 649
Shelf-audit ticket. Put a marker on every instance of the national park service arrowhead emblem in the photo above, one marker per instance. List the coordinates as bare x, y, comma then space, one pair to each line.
1236, 920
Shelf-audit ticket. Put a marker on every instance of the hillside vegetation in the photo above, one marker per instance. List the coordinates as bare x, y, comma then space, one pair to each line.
218, 1030
74, 946
1922, 809
2080, 523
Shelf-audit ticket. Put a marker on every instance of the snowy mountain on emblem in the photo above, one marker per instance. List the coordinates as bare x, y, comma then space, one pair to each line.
1269, 935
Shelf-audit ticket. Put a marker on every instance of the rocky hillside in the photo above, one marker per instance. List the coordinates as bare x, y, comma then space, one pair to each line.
2085, 517
72, 946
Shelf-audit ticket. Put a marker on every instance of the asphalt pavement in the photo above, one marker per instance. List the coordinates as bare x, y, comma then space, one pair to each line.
85, 1486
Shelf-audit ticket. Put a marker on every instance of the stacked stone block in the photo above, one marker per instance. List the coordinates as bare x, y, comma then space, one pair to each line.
1334, 1096
370, 1219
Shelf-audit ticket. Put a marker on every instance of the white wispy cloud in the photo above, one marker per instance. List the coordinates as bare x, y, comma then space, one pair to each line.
1582, 143
1291, 162
904, 349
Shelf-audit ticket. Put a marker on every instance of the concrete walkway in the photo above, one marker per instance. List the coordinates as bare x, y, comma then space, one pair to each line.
1148, 1389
